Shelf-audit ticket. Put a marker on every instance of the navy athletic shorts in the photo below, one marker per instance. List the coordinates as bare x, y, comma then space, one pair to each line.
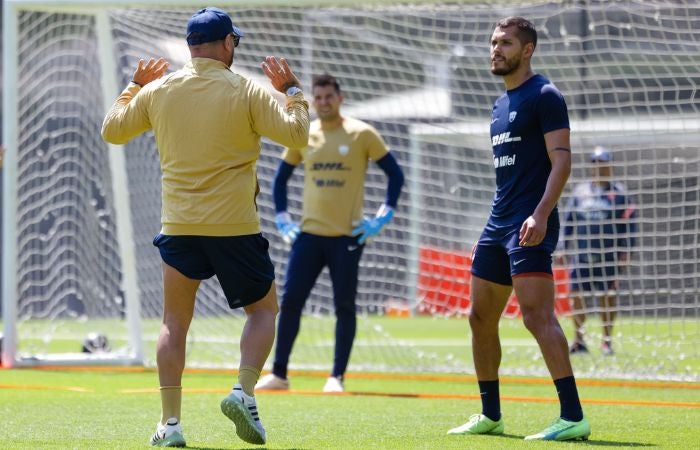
241, 263
594, 272
498, 257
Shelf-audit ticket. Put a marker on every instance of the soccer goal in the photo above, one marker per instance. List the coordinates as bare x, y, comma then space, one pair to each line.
79, 215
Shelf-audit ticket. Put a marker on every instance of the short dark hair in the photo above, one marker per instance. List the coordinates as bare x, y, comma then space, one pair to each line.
325, 80
526, 30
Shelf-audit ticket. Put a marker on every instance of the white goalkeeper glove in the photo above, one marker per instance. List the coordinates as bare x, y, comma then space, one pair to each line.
286, 227
369, 228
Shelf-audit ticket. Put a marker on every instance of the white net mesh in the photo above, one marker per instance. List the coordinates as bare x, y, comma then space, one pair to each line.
629, 71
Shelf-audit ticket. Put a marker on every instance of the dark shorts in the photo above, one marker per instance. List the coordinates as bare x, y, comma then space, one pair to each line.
498, 257
241, 263
594, 273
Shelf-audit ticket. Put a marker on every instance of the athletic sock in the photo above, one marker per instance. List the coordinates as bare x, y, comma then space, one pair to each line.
247, 377
490, 399
568, 399
171, 401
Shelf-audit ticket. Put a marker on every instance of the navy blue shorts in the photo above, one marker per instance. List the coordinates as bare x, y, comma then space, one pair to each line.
241, 263
498, 257
594, 272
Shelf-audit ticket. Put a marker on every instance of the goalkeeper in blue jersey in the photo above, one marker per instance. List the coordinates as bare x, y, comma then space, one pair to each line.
332, 231
599, 232
532, 158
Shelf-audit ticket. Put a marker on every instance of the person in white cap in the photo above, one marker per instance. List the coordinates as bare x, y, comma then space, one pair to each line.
598, 234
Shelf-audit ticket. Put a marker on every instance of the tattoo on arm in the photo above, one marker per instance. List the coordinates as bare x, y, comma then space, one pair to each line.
563, 149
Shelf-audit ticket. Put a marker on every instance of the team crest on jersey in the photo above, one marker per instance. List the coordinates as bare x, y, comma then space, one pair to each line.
511, 116
343, 149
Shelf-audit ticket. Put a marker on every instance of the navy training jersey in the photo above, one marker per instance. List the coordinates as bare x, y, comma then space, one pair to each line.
600, 217
519, 121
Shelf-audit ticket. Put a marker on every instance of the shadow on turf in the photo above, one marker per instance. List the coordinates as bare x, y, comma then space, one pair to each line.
617, 444
244, 448
589, 442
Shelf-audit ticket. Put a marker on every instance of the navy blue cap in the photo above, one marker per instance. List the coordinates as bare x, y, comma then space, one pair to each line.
601, 154
211, 24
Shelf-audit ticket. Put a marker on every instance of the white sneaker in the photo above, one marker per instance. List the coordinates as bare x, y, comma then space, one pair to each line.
243, 412
333, 384
168, 435
272, 382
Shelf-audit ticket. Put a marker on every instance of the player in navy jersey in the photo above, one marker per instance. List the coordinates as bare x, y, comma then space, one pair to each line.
599, 231
532, 158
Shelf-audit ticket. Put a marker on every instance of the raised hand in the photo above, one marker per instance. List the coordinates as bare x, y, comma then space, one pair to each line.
149, 71
286, 228
279, 73
367, 229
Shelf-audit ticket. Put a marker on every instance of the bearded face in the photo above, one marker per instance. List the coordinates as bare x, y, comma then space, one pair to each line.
506, 51
505, 66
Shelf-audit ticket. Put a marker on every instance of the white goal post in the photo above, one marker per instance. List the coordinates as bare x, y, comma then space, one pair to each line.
9, 356
79, 215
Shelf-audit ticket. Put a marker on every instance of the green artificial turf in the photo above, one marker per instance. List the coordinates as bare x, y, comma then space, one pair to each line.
118, 410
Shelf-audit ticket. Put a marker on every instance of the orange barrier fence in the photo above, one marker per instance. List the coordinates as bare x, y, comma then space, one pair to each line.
443, 285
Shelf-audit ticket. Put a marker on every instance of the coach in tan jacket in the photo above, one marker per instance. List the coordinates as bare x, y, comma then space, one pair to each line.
208, 122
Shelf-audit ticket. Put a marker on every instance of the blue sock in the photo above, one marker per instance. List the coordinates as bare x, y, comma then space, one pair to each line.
490, 399
568, 399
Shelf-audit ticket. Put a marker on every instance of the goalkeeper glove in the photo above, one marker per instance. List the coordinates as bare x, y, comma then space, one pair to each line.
369, 228
288, 229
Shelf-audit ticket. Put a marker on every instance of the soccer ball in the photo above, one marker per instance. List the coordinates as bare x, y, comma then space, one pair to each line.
96, 343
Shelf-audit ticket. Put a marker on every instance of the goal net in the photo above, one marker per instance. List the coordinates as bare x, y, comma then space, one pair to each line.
79, 215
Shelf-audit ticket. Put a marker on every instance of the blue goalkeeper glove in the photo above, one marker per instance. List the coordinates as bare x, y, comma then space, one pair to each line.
369, 228
288, 229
